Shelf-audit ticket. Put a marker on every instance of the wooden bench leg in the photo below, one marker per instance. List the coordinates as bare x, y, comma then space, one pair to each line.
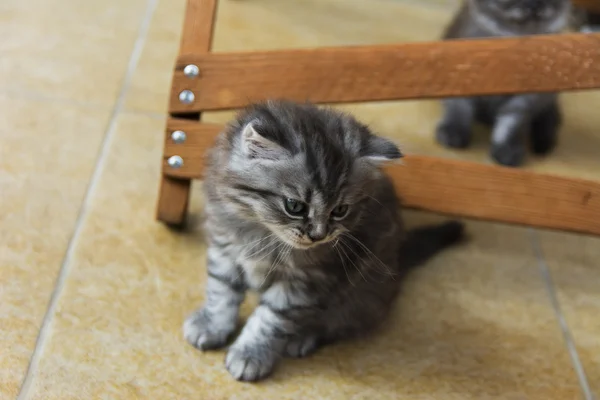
198, 28
173, 201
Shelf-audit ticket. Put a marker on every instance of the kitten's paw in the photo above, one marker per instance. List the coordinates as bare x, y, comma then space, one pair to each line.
301, 346
544, 130
249, 364
202, 333
543, 145
508, 154
452, 135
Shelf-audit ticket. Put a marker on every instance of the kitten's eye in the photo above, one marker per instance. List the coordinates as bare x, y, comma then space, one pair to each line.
340, 211
295, 207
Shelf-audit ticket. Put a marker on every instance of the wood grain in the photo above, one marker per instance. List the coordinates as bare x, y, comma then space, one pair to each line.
498, 194
173, 198
401, 71
200, 137
451, 187
590, 5
198, 29
198, 26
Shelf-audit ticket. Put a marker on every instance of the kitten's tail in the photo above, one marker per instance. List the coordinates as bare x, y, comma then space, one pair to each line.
424, 242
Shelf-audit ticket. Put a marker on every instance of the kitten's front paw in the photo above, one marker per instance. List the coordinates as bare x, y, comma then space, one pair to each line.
201, 332
508, 154
453, 135
543, 145
249, 364
301, 346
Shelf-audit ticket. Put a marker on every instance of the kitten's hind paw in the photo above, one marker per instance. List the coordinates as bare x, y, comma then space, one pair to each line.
249, 363
202, 333
301, 346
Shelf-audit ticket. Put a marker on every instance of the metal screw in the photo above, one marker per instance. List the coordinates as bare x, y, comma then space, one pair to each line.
191, 71
187, 97
175, 162
178, 137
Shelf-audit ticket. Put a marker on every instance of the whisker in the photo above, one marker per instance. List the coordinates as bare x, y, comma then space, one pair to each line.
349, 259
280, 257
343, 262
279, 246
255, 244
370, 254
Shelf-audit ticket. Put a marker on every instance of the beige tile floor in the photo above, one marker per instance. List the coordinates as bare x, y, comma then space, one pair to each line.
93, 291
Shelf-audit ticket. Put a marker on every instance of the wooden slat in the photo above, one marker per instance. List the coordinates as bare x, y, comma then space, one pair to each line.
198, 26
402, 71
498, 194
451, 187
173, 200
200, 136
198, 29
590, 5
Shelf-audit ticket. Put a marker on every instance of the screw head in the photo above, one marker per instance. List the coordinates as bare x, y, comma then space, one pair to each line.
178, 137
175, 162
191, 71
187, 97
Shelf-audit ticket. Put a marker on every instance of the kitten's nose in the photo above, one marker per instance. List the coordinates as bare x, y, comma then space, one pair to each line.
316, 232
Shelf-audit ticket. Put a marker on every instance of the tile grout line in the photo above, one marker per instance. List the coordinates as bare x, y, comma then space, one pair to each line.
42, 98
101, 158
31, 95
562, 322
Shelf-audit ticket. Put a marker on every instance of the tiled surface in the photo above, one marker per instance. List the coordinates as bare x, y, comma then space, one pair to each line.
151, 82
67, 49
470, 324
47, 154
475, 323
575, 266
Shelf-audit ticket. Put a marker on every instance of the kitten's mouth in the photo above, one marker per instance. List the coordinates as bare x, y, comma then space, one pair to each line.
303, 244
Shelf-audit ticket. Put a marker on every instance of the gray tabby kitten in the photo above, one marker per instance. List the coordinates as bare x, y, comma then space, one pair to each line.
298, 210
513, 118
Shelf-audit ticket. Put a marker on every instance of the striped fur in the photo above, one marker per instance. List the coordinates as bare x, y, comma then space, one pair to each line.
323, 275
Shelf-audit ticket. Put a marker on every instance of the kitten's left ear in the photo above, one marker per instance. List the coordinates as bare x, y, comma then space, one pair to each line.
379, 150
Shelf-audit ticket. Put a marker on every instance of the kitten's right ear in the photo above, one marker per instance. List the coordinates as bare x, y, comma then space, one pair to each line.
255, 145
379, 150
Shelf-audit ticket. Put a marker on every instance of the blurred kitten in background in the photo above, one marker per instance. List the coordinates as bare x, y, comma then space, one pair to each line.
514, 118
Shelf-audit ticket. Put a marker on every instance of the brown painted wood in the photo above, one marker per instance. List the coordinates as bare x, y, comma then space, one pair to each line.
498, 194
198, 26
198, 29
452, 187
590, 5
173, 200
401, 71
200, 137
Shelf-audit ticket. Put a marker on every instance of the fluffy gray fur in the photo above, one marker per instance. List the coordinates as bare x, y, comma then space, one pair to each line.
513, 118
326, 265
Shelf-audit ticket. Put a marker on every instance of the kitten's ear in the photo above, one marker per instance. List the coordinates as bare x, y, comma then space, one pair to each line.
379, 150
254, 145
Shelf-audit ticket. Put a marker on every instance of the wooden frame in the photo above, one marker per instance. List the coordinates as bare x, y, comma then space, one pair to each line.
590, 5
403, 71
